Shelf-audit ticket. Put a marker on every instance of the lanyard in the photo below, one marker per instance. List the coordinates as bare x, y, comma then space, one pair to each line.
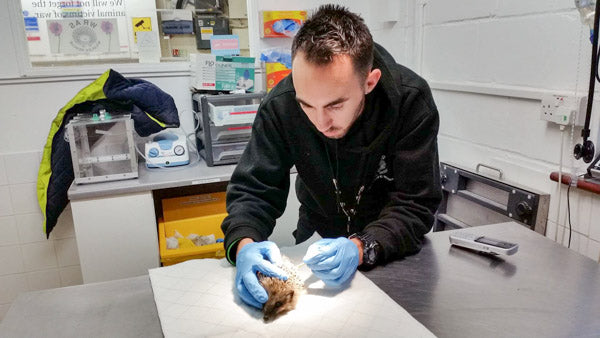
351, 212
348, 211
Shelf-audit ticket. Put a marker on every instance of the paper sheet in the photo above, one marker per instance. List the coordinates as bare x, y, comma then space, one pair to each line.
196, 298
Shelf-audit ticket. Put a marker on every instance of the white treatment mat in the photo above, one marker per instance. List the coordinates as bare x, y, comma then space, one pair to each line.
196, 298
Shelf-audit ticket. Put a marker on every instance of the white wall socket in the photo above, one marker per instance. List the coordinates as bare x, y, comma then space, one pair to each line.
561, 108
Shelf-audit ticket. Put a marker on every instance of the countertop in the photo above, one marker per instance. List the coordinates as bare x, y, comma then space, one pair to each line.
149, 179
544, 290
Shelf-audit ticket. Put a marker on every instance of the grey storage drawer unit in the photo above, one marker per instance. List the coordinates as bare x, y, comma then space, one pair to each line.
225, 125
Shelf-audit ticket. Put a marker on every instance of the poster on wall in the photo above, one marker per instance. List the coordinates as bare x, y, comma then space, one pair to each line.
105, 29
77, 36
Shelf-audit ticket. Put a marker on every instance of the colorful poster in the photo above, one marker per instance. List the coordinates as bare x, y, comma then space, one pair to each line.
77, 36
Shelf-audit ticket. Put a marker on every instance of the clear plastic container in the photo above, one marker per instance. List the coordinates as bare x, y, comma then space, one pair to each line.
229, 133
102, 149
228, 152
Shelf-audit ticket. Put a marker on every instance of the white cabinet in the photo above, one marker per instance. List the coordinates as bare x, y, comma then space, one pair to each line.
116, 236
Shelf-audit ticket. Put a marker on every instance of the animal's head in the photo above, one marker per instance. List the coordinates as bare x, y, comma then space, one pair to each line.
282, 297
278, 304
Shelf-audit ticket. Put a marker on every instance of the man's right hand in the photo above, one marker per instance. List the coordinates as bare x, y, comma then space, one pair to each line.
256, 257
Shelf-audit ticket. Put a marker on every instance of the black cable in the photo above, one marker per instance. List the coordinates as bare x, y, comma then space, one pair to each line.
569, 209
569, 214
597, 65
585, 132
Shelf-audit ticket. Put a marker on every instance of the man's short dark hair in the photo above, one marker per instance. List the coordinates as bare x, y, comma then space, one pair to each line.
333, 30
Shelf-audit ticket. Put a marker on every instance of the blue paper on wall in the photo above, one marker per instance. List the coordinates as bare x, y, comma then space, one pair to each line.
224, 45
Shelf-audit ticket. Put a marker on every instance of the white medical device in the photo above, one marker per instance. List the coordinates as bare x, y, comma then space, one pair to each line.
167, 149
483, 243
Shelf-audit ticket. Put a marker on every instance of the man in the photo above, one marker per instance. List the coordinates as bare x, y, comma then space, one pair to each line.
362, 133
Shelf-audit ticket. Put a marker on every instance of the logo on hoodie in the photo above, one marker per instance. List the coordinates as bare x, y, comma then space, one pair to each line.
382, 171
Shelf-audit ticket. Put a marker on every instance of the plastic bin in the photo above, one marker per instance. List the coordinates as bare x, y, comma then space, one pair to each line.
229, 133
180, 208
228, 152
230, 114
203, 226
225, 125
102, 148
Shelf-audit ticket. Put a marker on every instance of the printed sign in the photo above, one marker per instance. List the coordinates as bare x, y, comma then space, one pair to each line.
141, 25
206, 33
32, 28
31, 24
76, 36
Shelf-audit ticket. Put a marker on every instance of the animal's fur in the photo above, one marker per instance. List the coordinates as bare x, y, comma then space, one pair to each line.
283, 295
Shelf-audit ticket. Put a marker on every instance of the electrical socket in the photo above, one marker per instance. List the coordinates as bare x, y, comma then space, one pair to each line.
561, 108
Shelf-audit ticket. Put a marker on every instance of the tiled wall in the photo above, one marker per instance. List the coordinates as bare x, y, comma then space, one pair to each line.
29, 261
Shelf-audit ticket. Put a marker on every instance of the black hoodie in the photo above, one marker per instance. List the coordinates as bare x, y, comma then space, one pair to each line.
391, 150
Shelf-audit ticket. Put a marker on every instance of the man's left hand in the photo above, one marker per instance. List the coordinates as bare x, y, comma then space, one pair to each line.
333, 260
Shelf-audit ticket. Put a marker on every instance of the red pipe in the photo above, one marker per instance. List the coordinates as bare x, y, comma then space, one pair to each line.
582, 183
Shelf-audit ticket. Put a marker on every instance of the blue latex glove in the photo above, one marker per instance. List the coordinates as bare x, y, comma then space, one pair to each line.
255, 257
333, 260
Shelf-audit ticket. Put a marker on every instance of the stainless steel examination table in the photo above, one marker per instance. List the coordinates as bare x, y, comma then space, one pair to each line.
544, 290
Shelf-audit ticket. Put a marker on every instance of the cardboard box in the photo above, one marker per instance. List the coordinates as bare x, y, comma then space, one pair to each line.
269, 18
210, 72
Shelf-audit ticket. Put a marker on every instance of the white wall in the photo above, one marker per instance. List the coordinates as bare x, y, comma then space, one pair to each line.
8, 66
511, 49
387, 19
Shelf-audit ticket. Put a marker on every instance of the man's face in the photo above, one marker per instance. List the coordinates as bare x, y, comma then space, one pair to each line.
332, 96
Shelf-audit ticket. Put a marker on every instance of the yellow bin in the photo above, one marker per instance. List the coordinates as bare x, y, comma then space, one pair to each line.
203, 226
181, 208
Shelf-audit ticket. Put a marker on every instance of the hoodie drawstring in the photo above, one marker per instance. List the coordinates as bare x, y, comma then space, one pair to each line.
348, 212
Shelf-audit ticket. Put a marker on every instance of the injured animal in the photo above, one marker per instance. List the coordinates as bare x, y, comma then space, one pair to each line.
283, 295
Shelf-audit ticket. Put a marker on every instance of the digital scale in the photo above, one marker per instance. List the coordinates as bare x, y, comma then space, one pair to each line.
483, 244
